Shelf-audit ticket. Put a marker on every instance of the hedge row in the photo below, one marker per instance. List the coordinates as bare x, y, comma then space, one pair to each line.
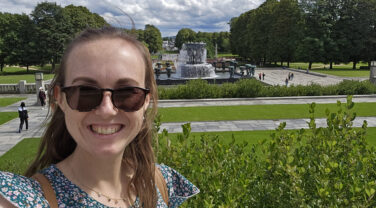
248, 88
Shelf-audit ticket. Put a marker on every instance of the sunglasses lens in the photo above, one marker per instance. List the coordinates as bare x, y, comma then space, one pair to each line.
129, 99
83, 98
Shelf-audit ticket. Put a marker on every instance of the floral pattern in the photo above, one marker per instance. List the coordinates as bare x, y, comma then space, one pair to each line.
26, 192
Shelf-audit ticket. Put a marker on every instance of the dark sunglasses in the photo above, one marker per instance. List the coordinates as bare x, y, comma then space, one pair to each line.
87, 98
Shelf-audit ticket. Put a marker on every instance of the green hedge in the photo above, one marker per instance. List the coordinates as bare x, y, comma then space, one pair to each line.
316, 167
247, 88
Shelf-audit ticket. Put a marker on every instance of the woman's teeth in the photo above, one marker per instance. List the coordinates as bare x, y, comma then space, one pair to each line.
105, 130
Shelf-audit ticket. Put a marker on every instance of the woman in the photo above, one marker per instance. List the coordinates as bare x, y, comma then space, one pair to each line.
96, 151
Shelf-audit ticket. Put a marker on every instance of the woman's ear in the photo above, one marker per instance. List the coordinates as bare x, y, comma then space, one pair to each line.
147, 102
58, 96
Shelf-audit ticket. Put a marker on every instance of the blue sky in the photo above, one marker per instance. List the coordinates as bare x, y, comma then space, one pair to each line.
168, 15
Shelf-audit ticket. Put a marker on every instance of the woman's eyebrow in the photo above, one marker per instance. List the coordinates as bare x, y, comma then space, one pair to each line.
126, 81
84, 79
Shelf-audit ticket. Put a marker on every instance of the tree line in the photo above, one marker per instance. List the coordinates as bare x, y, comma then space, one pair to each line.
41, 37
221, 40
328, 31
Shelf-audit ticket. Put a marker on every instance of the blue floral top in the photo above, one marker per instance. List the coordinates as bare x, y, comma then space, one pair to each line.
26, 192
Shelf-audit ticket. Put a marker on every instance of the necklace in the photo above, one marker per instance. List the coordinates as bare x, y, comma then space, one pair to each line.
99, 194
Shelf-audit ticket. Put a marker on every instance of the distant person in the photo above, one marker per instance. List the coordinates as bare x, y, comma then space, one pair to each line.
42, 97
263, 76
292, 76
260, 76
287, 82
22, 113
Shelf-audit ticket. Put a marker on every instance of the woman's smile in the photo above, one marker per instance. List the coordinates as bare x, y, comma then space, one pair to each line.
106, 130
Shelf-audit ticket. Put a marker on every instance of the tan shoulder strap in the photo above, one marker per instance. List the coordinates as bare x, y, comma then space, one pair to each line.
47, 189
161, 184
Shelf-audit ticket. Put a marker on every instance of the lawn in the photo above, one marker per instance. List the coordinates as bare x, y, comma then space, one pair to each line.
7, 116
20, 156
14, 79
343, 70
8, 101
12, 75
254, 112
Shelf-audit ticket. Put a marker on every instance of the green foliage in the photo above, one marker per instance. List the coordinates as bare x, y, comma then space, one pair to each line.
247, 88
184, 35
306, 30
153, 38
317, 167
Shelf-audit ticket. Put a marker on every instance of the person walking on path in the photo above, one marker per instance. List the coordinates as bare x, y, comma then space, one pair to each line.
22, 113
287, 81
260, 75
42, 96
263, 76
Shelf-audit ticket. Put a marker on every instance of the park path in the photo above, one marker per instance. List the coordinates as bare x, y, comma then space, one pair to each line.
37, 116
277, 76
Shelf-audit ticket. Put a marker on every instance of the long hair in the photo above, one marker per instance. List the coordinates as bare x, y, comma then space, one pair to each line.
57, 143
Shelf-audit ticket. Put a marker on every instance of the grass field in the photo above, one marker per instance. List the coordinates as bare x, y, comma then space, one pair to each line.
20, 156
252, 112
343, 70
8, 101
7, 116
12, 75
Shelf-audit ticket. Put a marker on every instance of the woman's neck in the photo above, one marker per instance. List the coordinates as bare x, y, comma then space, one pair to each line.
109, 176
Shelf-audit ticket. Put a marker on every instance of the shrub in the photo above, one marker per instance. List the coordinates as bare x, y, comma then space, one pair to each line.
247, 88
316, 167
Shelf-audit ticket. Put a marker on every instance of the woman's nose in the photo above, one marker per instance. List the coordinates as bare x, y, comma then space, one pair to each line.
106, 108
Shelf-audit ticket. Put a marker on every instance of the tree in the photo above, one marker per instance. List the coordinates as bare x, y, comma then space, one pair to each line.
7, 37
25, 51
52, 30
286, 30
80, 18
184, 35
153, 38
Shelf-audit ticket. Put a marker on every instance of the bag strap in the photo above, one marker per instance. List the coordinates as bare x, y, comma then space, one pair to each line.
47, 189
161, 184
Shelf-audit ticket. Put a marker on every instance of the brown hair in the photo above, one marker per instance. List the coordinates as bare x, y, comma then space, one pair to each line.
57, 143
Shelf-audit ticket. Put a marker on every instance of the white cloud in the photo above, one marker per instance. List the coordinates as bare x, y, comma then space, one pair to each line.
168, 15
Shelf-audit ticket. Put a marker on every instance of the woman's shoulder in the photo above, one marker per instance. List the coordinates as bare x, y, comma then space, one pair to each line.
21, 191
179, 188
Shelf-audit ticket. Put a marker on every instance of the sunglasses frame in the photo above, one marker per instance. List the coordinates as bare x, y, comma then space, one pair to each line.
65, 89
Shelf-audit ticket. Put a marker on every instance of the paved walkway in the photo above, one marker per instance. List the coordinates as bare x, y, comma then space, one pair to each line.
277, 76
9, 136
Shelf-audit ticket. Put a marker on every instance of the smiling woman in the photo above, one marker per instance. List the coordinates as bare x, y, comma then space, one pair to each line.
96, 150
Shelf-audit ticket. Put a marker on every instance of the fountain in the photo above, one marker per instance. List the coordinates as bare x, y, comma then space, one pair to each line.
192, 62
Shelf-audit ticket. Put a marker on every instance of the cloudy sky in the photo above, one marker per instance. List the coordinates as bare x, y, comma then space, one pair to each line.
168, 15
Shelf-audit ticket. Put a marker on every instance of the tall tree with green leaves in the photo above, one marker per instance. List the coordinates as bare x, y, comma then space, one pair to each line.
286, 30
7, 38
184, 35
153, 38
25, 52
80, 18
52, 30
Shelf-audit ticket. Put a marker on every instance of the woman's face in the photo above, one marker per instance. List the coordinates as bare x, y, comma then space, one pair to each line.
104, 63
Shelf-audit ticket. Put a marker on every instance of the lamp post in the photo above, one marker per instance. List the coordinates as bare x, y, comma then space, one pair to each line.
38, 84
372, 75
